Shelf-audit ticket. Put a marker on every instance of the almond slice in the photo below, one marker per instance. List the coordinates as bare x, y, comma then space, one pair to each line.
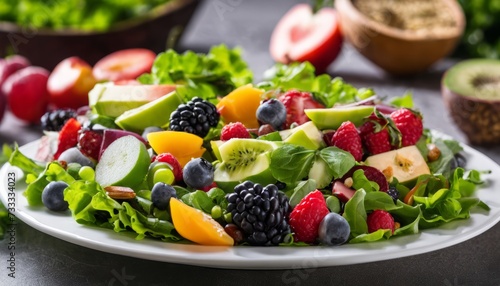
120, 193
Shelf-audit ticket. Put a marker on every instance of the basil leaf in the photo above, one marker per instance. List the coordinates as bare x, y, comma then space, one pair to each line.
301, 190
339, 161
291, 163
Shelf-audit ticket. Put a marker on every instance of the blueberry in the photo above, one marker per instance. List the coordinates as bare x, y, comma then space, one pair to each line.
150, 129
334, 229
53, 196
161, 194
198, 173
272, 112
74, 155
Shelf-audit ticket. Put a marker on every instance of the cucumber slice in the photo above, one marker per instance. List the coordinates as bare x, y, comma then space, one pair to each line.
124, 163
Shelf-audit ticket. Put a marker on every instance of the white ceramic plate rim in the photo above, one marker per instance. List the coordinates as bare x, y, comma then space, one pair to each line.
64, 227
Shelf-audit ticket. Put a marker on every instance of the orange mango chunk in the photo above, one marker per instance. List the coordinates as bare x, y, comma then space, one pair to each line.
197, 226
241, 105
184, 146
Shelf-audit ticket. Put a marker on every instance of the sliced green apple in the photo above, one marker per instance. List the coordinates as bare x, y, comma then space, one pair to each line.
332, 118
124, 163
154, 113
113, 100
306, 135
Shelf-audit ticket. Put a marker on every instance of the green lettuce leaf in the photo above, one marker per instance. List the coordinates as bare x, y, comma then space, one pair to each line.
302, 76
90, 205
53, 172
209, 75
27, 165
131, 219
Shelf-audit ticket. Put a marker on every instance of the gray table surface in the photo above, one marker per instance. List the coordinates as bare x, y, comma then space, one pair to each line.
44, 260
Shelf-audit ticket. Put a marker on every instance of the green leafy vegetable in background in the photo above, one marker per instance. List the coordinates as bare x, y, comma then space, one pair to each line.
88, 15
302, 76
209, 75
480, 38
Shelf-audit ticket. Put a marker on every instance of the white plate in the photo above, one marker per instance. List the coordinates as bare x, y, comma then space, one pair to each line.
64, 227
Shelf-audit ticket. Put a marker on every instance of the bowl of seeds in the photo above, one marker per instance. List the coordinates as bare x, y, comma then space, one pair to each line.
403, 37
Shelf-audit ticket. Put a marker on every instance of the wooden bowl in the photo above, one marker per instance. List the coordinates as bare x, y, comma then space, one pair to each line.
399, 52
46, 48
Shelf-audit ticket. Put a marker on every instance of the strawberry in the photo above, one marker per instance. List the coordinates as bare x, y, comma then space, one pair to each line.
380, 219
375, 141
409, 123
173, 162
307, 215
295, 102
347, 138
234, 130
68, 136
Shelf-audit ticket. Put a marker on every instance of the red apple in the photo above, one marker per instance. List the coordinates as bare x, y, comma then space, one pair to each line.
10, 65
26, 92
70, 82
302, 36
124, 65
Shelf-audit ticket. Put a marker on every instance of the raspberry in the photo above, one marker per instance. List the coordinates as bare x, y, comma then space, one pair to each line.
410, 125
347, 138
234, 130
68, 136
376, 141
307, 216
380, 219
173, 162
89, 143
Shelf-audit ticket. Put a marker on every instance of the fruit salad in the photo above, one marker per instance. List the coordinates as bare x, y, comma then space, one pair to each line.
194, 151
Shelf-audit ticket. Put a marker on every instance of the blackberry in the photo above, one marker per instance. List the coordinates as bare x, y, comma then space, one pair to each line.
54, 120
260, 212
196, 116
393, 192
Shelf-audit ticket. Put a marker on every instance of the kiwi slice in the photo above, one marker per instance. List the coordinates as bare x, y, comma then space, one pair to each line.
244, 159
471, 92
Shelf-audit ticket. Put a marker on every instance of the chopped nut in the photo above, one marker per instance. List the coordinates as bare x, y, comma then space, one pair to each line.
396, 225
388, 173
120, 193
348, 182
434, 152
